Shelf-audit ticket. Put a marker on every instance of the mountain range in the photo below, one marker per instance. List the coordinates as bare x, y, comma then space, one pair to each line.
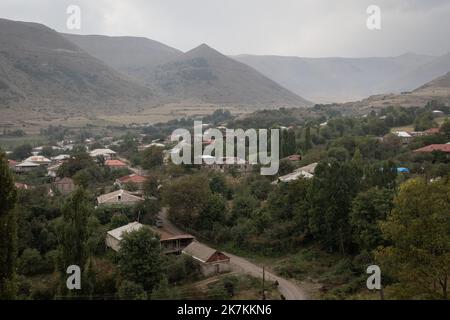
328, 80
42, 71
199, 75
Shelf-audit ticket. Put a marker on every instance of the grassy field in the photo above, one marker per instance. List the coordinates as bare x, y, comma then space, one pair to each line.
33, 123
410, 127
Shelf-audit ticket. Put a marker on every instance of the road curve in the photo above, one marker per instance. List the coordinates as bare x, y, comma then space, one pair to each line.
289, 289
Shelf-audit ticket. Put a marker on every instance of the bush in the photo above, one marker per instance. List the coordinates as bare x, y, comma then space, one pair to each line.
30, 262
129, 290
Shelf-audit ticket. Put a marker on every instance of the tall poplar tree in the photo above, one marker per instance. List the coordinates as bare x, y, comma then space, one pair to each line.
8, 231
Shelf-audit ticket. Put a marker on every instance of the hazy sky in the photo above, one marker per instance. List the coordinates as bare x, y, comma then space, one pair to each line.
314, 28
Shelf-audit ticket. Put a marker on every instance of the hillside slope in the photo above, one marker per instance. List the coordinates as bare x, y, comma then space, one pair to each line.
204, 74
40, 70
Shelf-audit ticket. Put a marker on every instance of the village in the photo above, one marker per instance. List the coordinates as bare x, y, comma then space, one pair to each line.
130, 184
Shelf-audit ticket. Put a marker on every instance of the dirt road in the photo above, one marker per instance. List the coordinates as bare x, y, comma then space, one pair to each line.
289, 289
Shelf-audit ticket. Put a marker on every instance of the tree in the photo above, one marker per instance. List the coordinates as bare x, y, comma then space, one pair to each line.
140, 258
152, 157
418, 228
445, 128
338, 153
218, 184
381, 174
424, 121
308, 142
368, 209
129, 290
30, 262
74, 230
187, 197
214, 212
8, 231
286, 167
260, 188
244, 205
21, 152
334, 185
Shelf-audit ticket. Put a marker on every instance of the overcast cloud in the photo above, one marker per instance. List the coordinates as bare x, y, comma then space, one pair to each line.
314, 28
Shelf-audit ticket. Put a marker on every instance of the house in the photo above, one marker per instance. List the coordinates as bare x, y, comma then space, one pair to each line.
105, 153
211, 261
118, 197
22, 186
153, 144
170, 243
438, 113
12, 163
228, 164
115, 164
61, 157
435, 147
53, 170
113, 237
64, 185
26, 166
404, 136
41, 160
293, 176
134, 179
310, 168
293, 158
306, 172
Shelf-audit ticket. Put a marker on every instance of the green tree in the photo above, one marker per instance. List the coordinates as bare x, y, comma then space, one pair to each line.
8, 231
369, 208
21, 152
152, 157
140, 258
129, 290
30, 262
418, 228
187, 197
334, 185
308, 142
338, 153
214, 212
74, 230
445, 128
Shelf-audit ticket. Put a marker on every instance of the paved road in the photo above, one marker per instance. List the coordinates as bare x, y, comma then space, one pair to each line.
289, 289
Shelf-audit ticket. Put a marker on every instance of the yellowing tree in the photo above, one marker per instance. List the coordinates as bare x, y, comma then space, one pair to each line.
419, 229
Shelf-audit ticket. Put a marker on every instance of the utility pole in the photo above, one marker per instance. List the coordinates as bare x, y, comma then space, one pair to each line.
381, 293
263, 284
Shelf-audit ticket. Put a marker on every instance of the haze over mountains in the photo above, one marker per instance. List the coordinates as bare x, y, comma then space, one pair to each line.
327, 80
199, 75
43, 70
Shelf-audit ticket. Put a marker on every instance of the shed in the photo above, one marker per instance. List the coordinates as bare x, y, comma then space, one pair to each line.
210, 260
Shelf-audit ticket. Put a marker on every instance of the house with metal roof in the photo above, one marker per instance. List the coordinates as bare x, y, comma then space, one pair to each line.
170, 243
105, 153
210, 260
118, 197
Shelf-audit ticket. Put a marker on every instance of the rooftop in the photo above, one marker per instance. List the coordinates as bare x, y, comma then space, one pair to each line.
435, 147
115, 163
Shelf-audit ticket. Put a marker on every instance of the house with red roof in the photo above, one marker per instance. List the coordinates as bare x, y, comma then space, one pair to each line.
435, 147
134, 179
115, 164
